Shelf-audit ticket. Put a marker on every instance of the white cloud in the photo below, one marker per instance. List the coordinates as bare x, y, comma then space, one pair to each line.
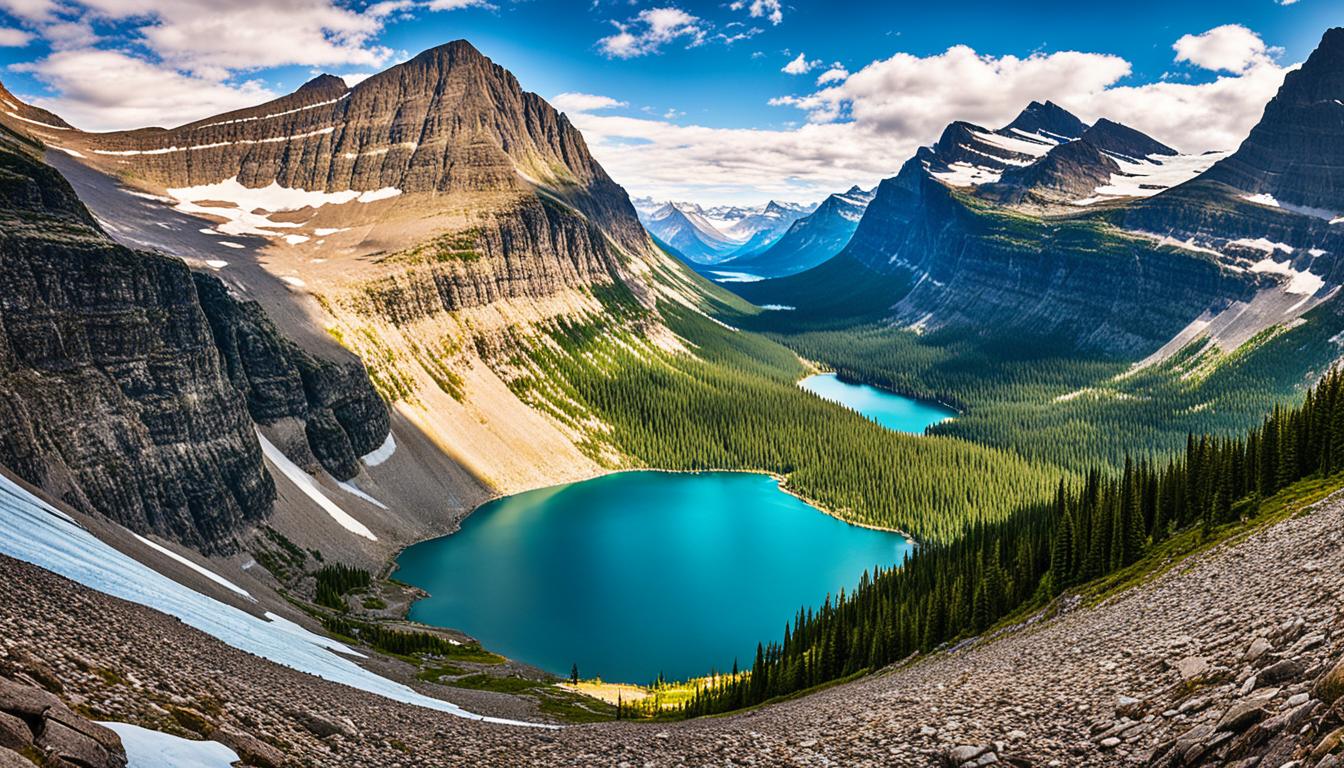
1229, 48
836, 72
106, 90
760, 9
648, 31
457, 5
583, 102
14, 38
861, 127
800, 65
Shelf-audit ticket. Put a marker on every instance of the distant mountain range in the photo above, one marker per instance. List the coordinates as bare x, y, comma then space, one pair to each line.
708, 236
809, 240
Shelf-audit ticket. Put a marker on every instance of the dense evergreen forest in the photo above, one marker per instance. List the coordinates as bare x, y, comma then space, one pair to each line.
1093, 527
735, 404
1044, 400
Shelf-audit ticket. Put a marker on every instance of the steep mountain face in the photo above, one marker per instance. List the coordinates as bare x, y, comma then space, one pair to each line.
811, 239
435, 220
1293, 157
985, 270
112, 396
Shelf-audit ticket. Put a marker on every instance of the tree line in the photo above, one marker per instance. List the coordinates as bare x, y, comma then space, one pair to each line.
1091, 528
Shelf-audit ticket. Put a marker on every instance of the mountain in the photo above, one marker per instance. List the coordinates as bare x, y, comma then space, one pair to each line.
131, 386
1108, 161
715, 234
811, 239
765, 227
1292, 157
958, 238
434, 221
685, 229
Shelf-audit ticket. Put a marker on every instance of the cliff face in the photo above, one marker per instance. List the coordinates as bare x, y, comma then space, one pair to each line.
114, 394
984, 270
1295, 154
341, 415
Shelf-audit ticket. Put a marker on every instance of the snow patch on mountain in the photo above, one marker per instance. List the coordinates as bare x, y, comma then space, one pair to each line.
246, 210
1145, 178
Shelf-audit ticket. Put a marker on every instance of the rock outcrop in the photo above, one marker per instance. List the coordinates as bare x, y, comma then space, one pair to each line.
126, 382
342, 415
112, 393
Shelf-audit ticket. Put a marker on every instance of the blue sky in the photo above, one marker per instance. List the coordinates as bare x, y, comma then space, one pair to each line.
709, 75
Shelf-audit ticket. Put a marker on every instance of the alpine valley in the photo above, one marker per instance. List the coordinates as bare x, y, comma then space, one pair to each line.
377, 424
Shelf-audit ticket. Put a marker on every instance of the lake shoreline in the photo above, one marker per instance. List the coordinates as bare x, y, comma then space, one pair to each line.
726, 512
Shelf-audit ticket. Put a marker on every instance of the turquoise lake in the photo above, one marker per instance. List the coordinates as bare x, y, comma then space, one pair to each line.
892, 411
636, 573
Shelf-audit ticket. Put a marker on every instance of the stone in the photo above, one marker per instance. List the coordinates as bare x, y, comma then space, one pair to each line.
1328, 743
1280, 671
1128, 706
1259, 647
61, 741
1330, 686
14, 733
1242, 715
25, 701
1191, 668
251, 750
10, 759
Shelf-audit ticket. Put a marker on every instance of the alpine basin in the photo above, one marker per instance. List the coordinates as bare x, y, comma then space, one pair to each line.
636, 573
889, 409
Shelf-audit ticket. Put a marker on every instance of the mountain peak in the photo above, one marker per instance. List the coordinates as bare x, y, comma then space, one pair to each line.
1120, 139
322, 84
1296, 152
1048, 119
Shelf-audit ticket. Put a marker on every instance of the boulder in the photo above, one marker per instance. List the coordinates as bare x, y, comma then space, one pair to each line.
25, 701
1191, 668
62, 742
251, 750
1330, 686
14, 733
1242, 715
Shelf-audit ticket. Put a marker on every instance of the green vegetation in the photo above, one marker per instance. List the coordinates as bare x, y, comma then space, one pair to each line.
1096, 535
734, 404
1046, 401
463, 245
334, 582
407, 643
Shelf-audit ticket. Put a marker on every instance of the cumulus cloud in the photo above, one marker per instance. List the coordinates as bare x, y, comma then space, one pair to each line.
835, 73
583, 102
1229, 48
799, 65
649, 30
760, 9
860, 127
14, 38
106, 90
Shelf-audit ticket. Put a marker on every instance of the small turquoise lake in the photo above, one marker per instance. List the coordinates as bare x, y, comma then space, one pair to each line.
636, 573
892, 411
